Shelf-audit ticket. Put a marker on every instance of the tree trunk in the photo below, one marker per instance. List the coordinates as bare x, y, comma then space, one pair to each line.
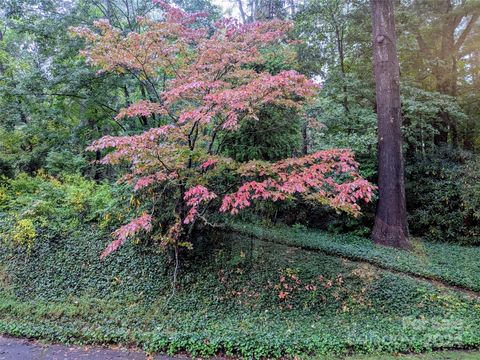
391, 227
242, 12
304, 138
339, 34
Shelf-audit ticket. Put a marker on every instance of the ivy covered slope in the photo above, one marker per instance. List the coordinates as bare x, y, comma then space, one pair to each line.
241, 296
246, 301
235, 294
452, 264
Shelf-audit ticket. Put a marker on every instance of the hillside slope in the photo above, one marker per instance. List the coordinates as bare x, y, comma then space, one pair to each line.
237, 295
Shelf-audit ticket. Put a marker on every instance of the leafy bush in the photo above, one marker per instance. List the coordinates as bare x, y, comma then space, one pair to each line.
442, 196
33, 204
22, 234
64, 162
421, 111
470, 195
274, 136
355, 129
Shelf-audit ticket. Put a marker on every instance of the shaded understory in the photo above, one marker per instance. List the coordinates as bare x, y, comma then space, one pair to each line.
236, 295
450, 264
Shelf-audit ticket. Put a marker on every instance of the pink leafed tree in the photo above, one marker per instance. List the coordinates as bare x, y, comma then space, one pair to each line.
204, 85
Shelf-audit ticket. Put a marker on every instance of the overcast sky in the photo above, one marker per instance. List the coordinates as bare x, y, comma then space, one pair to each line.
229, 7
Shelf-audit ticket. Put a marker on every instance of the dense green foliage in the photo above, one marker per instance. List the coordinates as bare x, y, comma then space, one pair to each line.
273, 137
55, 207
444, 202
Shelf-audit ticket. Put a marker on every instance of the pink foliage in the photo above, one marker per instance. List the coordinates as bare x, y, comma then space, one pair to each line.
194, 197
143, 222
156, 178
209, 163
317, 176
140, 150
176, 15
141, 108
136, 140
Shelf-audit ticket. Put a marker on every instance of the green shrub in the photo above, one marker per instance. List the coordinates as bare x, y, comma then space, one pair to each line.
421, 111
355, 129
64, 162
470, 196
56, 206
274, 136
443, 196
22, 234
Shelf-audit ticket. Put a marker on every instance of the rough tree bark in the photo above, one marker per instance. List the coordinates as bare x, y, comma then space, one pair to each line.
391, 227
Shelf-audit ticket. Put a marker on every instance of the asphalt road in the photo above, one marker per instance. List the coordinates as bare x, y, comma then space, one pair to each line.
21, 349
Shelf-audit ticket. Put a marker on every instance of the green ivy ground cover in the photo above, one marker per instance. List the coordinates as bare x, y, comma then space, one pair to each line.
452, 264
440, 355
236, 295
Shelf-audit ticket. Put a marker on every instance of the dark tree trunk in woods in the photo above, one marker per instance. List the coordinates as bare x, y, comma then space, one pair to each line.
391, 227
304, 138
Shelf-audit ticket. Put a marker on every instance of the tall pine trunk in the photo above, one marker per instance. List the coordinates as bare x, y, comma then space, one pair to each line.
391, 227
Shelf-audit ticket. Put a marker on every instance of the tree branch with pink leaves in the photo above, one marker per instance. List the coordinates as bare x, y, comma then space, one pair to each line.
211, 87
